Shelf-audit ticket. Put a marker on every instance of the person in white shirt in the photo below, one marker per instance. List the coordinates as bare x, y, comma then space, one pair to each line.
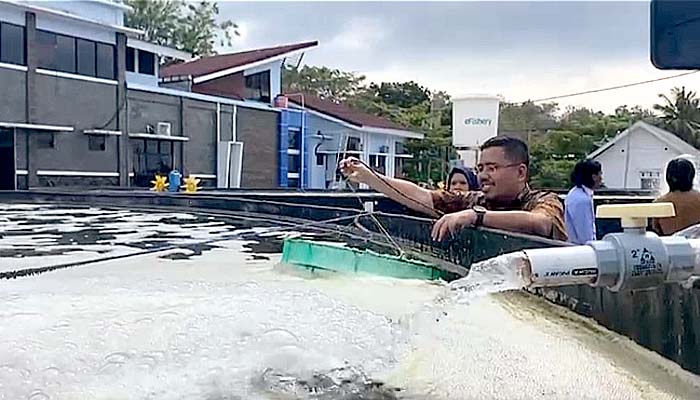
579, 213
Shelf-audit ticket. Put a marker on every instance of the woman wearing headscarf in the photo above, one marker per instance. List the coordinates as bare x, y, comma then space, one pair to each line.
462, 180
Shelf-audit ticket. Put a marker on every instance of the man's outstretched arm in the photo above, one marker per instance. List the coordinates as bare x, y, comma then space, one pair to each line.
404, 192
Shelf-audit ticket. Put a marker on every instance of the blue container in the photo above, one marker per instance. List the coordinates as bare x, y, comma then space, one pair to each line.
175, 179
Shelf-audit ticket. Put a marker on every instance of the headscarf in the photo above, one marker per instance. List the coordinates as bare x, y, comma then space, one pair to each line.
467, 172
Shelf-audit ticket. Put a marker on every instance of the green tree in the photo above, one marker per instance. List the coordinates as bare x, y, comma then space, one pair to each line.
325, 82
187, 26
680, 114
527, 117
401, 94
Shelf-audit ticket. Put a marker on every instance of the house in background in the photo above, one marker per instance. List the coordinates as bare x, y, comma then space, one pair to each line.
83, 105
303, 153
250, 75
637, 157
333, 130
253, 77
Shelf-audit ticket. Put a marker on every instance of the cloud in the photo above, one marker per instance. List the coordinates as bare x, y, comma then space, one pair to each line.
519, 49
358, 34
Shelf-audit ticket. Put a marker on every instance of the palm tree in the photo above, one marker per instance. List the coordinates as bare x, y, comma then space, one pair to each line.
680, 114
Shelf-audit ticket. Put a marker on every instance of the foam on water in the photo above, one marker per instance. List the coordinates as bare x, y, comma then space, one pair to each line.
225, 325
125, 333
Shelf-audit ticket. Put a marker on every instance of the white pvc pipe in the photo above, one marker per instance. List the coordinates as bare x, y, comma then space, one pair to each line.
558, 266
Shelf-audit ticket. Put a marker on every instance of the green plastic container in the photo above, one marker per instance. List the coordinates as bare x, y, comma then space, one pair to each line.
338, 258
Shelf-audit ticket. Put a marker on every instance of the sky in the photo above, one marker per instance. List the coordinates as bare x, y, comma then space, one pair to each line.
518, 49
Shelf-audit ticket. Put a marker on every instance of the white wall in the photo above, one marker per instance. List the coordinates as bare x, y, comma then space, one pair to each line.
638, 151
73, 28
318, 174
142, 79
101, 11
371, 143
11, 14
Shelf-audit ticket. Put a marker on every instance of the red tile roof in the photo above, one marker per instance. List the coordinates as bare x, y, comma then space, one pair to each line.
346, 113
211, 64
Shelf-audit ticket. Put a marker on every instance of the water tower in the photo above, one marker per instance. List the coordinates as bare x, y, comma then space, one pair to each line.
474, 120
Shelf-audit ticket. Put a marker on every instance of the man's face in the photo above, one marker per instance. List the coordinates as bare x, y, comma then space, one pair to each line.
501, 179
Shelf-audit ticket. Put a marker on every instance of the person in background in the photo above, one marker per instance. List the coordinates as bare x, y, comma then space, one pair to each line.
579, 212
505, 201
680, 174
462, 180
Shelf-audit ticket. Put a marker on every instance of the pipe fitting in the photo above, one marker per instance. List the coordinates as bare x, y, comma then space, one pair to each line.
633, 259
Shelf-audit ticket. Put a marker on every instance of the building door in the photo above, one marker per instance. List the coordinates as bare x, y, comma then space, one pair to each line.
8, 179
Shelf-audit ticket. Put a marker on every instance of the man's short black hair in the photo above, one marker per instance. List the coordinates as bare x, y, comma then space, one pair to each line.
680, 174
583, 172
516, 150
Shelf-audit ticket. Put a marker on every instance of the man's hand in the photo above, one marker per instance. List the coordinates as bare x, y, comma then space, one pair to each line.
453, 223
355, 170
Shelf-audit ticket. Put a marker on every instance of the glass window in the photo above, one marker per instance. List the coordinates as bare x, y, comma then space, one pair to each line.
295, 139
258, 86
400, 148
399, 168
380, 164
46, 49
12, 44
85, 50
354, 144
166, 156
65, 53
294, 163
56, 52
105, 61
130, 60
158, 157
45, 140
96, 143
147, 63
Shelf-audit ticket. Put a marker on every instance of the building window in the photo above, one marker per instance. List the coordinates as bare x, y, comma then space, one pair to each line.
400, 148
258, 86
151, 157
130, 59
294, 163
378, 163
294, 139
85, 51
45, 140
158, 157
354, 144
399, 168
147, 63
12, 44
96, 143
56, 52
105, 60
650, 180
68, 54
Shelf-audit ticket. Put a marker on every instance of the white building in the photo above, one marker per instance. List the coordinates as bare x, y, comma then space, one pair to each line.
336, 130
637, 157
